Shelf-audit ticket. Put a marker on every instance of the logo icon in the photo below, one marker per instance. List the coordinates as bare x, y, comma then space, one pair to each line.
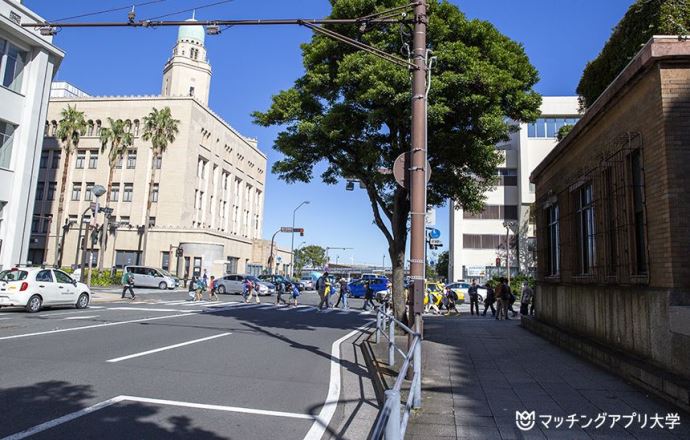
525, 420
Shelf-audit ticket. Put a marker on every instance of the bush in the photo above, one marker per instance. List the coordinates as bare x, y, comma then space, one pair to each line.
515, 283
103, 278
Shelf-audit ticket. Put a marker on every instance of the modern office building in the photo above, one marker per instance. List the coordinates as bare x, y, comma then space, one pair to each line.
477, 241
28, 62
208, 191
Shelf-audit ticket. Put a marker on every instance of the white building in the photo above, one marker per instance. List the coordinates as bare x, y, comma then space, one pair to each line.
28, 62
477, 240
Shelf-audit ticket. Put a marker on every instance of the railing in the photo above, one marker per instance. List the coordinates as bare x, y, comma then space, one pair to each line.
391, 422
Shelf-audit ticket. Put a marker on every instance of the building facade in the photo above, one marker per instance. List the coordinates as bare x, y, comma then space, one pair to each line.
208, 195
614, 237
28, 62
477, 241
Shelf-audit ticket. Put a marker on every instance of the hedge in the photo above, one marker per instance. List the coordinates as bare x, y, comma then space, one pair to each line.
644, 19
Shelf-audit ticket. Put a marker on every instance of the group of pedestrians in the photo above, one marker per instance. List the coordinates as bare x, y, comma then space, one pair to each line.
435, 302
200, 284
289, 289
504, 299
328, 288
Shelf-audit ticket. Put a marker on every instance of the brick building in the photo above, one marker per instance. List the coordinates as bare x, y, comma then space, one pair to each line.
613, 225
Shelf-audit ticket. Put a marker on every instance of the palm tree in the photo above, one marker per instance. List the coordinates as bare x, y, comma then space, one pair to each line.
69, 131
120, 138
160, 128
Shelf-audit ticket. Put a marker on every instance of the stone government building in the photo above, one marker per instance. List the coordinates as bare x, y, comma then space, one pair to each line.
614, 227
209, 193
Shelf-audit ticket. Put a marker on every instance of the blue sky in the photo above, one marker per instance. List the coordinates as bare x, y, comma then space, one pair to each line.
251, 64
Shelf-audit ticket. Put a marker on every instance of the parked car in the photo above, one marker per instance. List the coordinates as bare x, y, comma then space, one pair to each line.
481, 291
308, 282
358, 289
235, 284
34, 287
437, 289
275, 279
145, 276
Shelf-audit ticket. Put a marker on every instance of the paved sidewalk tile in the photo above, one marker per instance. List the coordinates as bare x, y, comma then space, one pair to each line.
478, 372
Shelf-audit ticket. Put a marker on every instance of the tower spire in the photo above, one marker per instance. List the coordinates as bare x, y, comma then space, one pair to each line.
193, 14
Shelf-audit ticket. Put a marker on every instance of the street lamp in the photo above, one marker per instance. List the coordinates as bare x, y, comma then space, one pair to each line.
292, 239
97, 191
509, 225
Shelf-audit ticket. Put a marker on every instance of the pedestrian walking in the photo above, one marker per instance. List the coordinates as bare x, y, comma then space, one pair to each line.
502, 299
343, 288
451, 297
295, 292
252, 289
525, 298
199, 291
128, 284
212, 289
474, 297
489, 300
192, 288
511, 299
321, 287
205, 277
430, 303
368, 297
280, 290
245, 290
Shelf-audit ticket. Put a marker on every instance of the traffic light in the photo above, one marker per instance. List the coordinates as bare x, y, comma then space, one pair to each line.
179, 252
498, 262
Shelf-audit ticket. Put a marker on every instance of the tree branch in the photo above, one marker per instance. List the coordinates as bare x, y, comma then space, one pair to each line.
377, 215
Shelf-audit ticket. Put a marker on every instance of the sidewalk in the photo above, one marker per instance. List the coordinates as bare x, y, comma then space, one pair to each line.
478, 372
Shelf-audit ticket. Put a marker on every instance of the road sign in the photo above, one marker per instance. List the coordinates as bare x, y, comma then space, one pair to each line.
401, 170
106, 211
434, 233
431, 217
435, 242
289, 229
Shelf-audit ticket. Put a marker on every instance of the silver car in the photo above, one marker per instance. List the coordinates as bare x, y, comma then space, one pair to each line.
235, 284
145, 276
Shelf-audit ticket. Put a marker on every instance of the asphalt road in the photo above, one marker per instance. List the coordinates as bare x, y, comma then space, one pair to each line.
163, 367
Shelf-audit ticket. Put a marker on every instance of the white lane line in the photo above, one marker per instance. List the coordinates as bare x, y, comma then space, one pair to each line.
4, 319
148, 309
219, 407
168, 347
97, 307
82, 317
75, 415
318, 428
86, 327
48, 315
64, 419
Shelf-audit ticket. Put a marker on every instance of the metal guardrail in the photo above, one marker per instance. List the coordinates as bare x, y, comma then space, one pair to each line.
391, 422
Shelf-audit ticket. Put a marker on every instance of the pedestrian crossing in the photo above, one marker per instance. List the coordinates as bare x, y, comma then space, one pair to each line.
214, 306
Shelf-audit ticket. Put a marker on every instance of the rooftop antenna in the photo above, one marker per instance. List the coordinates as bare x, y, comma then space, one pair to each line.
193, 14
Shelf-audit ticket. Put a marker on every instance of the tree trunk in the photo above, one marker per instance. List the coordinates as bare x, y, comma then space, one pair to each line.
148, 208
396, 249
61, 206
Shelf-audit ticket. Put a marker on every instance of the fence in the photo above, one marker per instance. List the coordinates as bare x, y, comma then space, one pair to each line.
392, 419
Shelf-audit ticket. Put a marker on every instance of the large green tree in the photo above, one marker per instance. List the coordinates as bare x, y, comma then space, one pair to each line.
160, 128
312, 255
352, 111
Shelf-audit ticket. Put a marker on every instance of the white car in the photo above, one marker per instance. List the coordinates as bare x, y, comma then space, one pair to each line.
464, 287
35, 287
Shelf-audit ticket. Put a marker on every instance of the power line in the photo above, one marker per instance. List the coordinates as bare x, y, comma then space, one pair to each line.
190, 9
105, 11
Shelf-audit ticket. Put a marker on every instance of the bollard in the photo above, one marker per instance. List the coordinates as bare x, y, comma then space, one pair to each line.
417, 363
378, 326
391, 343
392, 431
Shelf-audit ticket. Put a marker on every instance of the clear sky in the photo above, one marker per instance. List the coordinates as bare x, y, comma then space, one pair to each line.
251, 64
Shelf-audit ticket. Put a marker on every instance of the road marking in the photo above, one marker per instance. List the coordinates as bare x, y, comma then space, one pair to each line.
148, 309
97, 307
318, 428
86, 327
169, 347
48, 315
82, 317
4, 319
75, 415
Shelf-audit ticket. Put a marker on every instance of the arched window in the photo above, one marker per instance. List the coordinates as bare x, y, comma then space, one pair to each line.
89, 128
128, 125
46, 130
55, 126
98, 127
136, 128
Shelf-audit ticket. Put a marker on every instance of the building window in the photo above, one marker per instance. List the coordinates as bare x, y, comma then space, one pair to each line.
118, 162
231, 265
88, 194
610, 211
131, 159
124, 219
44, 159
152, 222
197, 266
89, 128
56, 159
46, 223
191, 91
81, 158
201, 168
127, 194
35, 224
126, 258
547, 128
165, 260
40, 186
13, 62
492, 212
482, 241
553, 240
638, 200
115, 192
507, 176
98, 127
76, 192
52, 187
585, 229
93, 159
135, 130
6, 141
157, 162
154, 193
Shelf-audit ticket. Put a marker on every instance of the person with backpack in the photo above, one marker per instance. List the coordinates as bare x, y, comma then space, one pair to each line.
127, 284
199, 291
295, 292
474, 297
451, 297
526, 298
489, 300
280, 289
342, 294
368, 297
321, 287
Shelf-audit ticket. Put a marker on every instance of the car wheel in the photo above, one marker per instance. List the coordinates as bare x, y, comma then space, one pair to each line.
221, 289
163, 285
83, 301
34, 304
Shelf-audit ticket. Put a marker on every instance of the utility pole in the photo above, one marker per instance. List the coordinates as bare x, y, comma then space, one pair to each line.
417, 171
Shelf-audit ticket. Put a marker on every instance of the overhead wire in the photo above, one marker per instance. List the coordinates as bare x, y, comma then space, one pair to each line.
190, 9
105, 11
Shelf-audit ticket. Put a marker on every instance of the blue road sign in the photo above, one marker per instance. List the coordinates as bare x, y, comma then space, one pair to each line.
434, 233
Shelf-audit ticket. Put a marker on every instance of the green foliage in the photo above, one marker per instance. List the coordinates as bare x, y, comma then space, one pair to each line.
644, 19
563, 132
104, 279
119, 137
515, 283
70, 128
312, 255
442, 264
160, 128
